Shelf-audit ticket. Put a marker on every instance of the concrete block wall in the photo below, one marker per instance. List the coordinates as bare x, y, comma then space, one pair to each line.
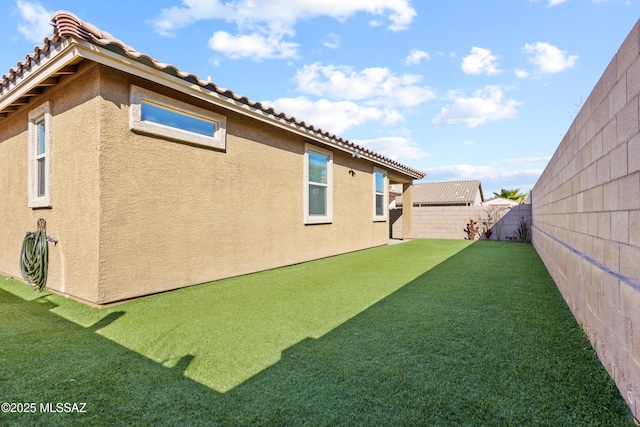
586, 218
449, 222
509, 223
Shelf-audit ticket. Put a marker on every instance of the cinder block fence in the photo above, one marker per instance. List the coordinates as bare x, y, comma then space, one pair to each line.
449, 222
586, 218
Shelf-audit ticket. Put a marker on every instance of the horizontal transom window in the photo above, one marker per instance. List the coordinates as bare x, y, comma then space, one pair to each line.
164, 116
159, 115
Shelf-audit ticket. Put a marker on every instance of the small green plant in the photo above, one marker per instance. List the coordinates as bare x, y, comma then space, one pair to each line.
491, 223
487, 231
523, 232
472, 230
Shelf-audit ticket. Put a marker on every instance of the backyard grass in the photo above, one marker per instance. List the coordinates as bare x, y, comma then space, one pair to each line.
429, 332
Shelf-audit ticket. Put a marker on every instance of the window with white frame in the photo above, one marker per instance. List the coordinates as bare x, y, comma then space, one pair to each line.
159, 115
40, 157
318, 185
380, 195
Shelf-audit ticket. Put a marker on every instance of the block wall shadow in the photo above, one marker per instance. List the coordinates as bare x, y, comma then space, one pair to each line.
457, 346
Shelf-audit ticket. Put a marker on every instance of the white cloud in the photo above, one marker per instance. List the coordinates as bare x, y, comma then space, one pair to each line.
334, 117
332, 41
416, 56
279, 13
176, 17
264, 23
35, 21
375, 86
520, 173
527, 161
485, 105
522, 74
462, 172
551, 3
480, 61
254, 46
397, 148
548, 58
347, 98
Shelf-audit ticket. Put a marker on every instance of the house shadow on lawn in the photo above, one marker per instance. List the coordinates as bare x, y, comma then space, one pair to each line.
473, 341
237, 327
47, 359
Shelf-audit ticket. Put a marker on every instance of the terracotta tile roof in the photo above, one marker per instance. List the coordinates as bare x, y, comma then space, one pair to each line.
68, 25
446, 193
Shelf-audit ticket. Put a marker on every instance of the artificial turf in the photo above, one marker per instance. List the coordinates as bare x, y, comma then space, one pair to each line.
429, 332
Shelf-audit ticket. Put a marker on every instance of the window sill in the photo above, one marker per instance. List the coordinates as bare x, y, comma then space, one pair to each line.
317, 221
40, 204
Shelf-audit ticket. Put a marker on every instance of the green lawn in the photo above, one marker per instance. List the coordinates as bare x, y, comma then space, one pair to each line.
429, 332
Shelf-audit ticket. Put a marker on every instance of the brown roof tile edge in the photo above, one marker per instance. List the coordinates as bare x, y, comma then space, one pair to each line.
67, 24
26, 64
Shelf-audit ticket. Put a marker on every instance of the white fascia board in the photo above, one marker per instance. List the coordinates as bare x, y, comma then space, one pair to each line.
48, 65
70, 49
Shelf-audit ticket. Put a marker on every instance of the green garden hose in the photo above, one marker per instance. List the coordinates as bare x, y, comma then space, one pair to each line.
34, 257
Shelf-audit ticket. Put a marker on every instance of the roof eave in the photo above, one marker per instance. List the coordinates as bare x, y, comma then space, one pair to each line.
77, 43
37, 73
236, 104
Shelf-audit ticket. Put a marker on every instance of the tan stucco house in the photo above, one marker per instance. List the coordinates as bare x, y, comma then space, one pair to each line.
151, 179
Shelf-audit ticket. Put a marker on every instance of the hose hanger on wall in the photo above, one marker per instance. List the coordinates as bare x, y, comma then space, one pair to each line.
35, 256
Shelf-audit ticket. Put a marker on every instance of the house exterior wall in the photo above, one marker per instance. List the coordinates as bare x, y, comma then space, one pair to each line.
166, 214
449, 222
135, 214
478, 200
586, 216
73, 217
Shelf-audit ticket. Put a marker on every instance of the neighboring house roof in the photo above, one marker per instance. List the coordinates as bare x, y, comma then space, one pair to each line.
60, 54
447, 193
500, 201
395, 190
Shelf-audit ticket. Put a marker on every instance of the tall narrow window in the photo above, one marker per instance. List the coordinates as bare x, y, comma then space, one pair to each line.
40, 157
318, 190
380, 194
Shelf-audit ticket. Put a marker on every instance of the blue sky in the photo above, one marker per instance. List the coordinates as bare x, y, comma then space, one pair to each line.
461, 89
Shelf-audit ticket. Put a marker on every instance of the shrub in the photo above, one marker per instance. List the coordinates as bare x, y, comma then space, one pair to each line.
472, 230
523, 232
487, 231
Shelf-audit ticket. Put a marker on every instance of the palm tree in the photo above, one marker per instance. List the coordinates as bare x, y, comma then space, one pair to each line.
512, 194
